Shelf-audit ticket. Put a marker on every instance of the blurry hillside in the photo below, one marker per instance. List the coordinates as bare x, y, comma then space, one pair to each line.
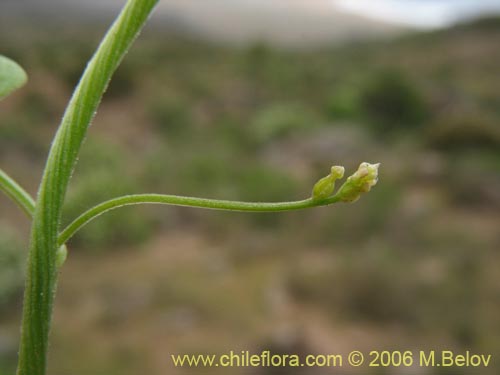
413, 265
289, 23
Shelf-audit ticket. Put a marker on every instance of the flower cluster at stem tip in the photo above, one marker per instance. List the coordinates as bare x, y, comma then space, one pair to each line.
359, 182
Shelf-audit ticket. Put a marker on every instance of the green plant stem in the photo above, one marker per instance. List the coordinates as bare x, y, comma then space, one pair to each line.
42, 270
15, 192
27, 204
176, 200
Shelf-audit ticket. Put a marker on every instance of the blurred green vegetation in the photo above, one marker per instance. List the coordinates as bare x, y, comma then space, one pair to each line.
12, 257
415, 261
392, 102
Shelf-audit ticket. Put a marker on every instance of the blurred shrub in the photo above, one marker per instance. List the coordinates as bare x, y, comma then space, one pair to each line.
103, 173
343, 103
123, 83
472, 179
232, 136
487, 23
171, 116
273, 71
380, 290
263, 183
15, 133
280, 120
255, 57
220, 175
23, 131
373, 217
38, 107
128, 226
12, 259
464, 130
65, 58
391, 101
372, 286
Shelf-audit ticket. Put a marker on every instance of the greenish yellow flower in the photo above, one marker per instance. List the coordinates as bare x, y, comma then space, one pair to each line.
360, 182
324, 187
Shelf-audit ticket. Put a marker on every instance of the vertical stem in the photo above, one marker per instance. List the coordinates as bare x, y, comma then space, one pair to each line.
41, 278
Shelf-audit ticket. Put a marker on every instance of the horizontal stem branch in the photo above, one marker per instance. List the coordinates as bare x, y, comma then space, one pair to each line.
15, 192
176, 200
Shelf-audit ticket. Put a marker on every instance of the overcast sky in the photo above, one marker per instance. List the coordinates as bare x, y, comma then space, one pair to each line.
420, 13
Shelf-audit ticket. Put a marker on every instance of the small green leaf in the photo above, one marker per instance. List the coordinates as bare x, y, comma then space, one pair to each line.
12, 76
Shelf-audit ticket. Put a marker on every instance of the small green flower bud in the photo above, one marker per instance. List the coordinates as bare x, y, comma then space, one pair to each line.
360, 182
62, 254
324, 187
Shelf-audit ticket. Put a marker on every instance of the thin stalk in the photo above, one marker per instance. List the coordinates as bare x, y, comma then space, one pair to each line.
176, 200
42, 272
15, 192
